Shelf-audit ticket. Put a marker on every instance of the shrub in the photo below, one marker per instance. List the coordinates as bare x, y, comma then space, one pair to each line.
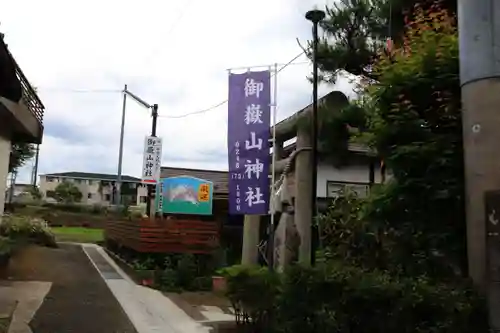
176, 272
185, 272
252, 291
98, 209
5, 245
6, 248
27, 229
339, 298
333, 297
67, 207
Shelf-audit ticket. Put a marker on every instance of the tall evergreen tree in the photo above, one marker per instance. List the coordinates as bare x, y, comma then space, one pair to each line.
356, 31
410, 114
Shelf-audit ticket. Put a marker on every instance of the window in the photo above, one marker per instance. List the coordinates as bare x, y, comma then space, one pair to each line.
90, 182
107, 197
144, 199
89, 196
78, 181
50, 179
333, 188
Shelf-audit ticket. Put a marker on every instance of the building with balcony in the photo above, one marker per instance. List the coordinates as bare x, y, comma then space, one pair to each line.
96, 188
21, 112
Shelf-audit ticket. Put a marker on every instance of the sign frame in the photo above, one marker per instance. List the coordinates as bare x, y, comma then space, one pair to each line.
151, 161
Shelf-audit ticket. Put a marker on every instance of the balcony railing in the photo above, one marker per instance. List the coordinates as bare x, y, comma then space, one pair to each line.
30, 98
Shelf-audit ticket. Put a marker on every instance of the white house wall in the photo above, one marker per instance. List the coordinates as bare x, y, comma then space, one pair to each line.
354, 173
86, 188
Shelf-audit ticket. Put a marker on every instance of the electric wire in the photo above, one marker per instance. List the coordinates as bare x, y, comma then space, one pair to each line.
225, 101
202, 111
58, 90
169, 32
77, 91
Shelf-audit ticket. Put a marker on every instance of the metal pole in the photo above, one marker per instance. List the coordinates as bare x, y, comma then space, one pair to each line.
371, 172
270, 242
315, 16
120, 153
150, 206
36, 164
12, 186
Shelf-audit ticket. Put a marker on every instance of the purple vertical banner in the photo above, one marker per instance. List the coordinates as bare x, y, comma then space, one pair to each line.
249, 119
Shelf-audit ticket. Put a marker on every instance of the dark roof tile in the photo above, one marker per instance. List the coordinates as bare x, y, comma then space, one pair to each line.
89, 175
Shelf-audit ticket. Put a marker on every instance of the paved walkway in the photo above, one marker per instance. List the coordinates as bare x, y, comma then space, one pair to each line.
77, 299
148, 309
80, 289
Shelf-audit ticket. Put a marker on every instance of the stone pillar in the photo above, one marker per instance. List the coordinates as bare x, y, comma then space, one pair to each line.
482, 161
479, 34
286, 242
303, 188
278, 149
5, 147
251, 228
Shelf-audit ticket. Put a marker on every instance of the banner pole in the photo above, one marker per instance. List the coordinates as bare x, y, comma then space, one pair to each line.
273, 172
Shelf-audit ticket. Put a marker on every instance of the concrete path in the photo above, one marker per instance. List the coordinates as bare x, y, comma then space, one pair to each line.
148, 309
25, 299
77, 300
78, 288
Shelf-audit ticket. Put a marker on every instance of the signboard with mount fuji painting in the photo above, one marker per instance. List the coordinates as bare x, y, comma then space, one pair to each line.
184, 195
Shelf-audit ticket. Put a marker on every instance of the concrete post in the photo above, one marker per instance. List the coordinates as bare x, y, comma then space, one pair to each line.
303, 188
5, 148
251, 228
479, 34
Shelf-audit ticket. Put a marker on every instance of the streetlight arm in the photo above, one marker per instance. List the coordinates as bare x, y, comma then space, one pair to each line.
137, 99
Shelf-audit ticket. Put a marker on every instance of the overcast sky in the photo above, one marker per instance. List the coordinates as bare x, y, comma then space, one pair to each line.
174, 53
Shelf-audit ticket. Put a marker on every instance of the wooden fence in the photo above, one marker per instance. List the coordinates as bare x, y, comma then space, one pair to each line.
165, 236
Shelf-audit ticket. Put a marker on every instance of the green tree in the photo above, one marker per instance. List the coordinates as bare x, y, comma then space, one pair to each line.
416, 127
356, 31
21, 152
412, 119
67, 192
35, 193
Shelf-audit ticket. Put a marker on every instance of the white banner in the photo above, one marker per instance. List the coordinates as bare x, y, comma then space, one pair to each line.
151, 165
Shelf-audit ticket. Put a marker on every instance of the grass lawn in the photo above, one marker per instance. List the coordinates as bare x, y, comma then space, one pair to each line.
78, 234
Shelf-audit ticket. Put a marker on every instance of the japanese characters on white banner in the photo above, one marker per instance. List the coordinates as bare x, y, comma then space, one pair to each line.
249, 119
151, 165
159, 207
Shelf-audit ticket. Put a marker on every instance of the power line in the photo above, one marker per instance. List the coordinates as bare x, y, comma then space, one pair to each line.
169, 32
225, 101
78, 91
98, 91
107, 91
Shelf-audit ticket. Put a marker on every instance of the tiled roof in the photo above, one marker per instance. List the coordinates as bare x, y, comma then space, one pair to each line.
89, 175
23, 185
219, 178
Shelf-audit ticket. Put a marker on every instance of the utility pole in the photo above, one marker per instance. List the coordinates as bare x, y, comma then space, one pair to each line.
150, 208
120, 152
479, 42
315, 16
13, 177
34, 174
